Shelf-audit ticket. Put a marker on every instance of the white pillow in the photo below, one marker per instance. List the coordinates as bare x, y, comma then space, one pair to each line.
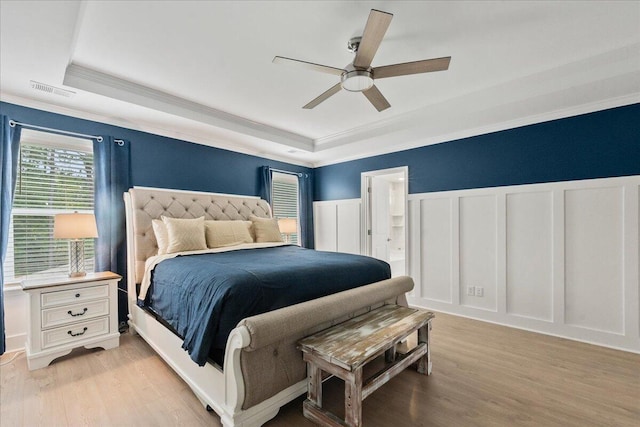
160, 230
185, 234
266, 229
227, 233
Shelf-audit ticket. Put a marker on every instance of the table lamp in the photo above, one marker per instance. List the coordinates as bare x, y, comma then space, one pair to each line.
76, 227
288, 226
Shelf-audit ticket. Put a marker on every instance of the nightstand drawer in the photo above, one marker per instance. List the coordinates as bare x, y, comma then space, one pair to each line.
74, 313
50, 299
76, 332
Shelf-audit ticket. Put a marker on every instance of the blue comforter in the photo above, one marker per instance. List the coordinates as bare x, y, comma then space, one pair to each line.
203, 297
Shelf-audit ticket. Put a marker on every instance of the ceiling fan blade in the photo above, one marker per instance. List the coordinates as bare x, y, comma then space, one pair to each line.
416, 67
376, 98
326, 95
374, 31
309, 65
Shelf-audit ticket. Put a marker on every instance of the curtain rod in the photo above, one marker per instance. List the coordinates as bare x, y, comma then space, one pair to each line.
284, 171
13, 123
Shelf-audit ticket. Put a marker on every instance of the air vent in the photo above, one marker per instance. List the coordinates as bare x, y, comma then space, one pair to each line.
51, 89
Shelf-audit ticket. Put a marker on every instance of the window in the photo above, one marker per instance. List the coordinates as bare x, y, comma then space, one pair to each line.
55, 175
284, 200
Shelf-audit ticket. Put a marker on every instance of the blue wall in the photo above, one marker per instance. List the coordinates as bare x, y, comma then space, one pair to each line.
158, 161
595, 145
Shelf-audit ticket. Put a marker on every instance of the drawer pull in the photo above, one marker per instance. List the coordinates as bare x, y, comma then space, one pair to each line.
79, 333
77, 295
77, 314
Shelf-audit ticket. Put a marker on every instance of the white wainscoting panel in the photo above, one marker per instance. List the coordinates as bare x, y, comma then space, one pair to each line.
594, 262
337, 225
478, 251
529, 253
436, 247
413, 245
348, 220
325, 224
558, 258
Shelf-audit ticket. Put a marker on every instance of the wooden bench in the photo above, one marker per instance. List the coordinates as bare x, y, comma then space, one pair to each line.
345, 349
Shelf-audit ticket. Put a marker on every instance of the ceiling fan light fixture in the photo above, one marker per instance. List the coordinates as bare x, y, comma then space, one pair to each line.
357, 80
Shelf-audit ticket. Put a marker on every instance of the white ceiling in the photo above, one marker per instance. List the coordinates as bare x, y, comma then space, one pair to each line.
202, 72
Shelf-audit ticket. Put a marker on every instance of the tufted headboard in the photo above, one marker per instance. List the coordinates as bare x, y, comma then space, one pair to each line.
145, 204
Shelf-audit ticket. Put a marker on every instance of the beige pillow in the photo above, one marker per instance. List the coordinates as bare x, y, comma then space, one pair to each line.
160, 230
266, 229
185, 234
227, 233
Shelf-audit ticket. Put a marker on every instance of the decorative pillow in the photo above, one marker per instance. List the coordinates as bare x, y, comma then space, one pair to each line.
252, 231
227, 233
266, 229
185, 234
160, 230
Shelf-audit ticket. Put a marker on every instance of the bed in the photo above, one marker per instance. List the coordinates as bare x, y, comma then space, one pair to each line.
260, 368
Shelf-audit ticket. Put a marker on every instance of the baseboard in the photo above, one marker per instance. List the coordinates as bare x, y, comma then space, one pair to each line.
15, 342
613, 341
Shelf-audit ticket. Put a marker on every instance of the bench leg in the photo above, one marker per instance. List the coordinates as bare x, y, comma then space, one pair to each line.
390, 355
424, 336
314, 384
353, 399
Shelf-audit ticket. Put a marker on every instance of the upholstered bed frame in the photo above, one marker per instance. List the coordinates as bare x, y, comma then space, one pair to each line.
263, 370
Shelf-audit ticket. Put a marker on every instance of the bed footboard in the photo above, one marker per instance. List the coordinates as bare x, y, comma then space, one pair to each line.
262, 361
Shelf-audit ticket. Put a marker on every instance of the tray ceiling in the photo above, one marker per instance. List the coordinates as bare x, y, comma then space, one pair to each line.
202, 71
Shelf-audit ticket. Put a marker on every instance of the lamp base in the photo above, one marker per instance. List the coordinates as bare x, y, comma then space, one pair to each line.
77, 273
76, 258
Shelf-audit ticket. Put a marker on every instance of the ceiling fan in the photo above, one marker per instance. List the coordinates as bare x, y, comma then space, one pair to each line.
359, 76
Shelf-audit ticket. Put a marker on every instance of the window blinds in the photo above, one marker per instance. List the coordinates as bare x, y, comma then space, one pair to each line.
284, 198
51, 179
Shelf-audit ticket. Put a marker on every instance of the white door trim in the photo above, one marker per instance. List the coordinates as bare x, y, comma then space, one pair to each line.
365, 183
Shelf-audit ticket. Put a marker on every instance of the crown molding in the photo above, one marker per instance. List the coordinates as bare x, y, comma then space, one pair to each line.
337, 158
495, 127
93, 81
150, 128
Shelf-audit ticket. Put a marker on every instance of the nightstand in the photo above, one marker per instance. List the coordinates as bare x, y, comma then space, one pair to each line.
66, 313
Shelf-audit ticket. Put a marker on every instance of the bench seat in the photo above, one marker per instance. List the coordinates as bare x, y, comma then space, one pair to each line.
345, 349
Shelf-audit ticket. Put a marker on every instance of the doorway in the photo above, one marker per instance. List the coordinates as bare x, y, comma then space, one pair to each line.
384, 200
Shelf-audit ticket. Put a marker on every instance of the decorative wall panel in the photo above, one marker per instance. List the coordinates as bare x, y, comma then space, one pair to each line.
529, 253
594, 269
436, 247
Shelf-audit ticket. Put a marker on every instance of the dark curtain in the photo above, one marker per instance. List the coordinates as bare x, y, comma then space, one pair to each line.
305, 201
265, 183
306, 210
9, 147
112, 168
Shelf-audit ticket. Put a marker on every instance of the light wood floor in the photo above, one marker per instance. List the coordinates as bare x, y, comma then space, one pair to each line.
483, 375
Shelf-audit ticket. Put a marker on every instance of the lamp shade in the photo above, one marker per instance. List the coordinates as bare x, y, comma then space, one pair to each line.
74, 226
288, 225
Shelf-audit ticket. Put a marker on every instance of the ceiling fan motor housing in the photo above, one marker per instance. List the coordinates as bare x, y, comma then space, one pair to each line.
355, 79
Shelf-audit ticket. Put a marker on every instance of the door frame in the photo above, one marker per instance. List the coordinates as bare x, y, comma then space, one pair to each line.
365, 196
